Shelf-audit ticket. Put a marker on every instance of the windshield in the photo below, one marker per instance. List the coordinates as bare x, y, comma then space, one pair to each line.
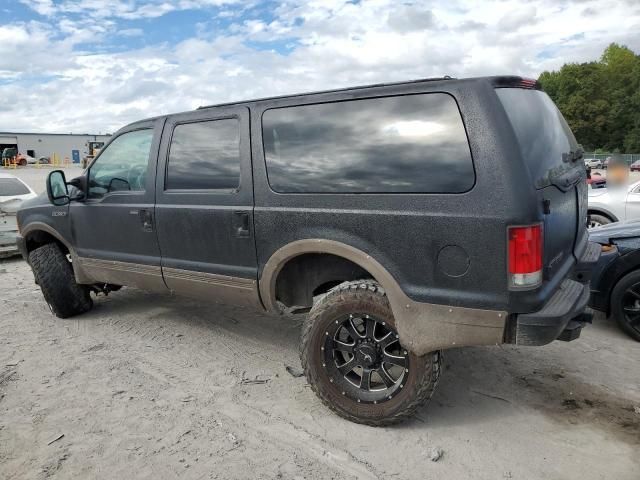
544, 137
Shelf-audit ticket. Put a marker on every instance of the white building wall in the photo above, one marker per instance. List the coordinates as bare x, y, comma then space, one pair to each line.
45, 145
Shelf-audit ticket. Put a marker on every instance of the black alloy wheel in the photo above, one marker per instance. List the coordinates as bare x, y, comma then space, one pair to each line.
631, 307
363, 357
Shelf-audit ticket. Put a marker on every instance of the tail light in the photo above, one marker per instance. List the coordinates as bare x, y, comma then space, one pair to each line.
525, 256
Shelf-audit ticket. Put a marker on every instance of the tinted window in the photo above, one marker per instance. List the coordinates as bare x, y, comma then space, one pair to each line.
542, 132
12, 186
205, 155
412, 143
122, 166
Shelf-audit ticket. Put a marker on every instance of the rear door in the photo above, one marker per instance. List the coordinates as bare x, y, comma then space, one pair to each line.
204, 205
549, 150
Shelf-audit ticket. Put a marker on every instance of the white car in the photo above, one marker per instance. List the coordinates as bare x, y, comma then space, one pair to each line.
13, 192
593, 163
607, 205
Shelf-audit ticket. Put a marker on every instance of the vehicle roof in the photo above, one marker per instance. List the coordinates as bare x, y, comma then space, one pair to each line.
498, 81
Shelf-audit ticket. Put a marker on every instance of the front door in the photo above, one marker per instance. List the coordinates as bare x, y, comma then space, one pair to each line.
114, 228
204, 206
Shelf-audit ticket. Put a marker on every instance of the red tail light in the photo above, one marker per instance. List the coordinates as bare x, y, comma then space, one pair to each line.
525, 256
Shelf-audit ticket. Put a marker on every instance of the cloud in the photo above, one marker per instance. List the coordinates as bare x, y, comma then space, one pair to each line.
62, 73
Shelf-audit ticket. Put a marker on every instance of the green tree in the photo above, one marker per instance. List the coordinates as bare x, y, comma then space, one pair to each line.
600, 100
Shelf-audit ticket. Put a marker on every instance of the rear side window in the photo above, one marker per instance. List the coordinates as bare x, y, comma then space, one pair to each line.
544, 137
12, 186
205, 156
403, 144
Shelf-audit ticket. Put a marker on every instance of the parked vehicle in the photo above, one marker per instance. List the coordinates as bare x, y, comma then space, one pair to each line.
593, 163
9, 153
25, 159
605, 165
595, 180
635, 166
376, 209
13, 192
615, 284
607, 205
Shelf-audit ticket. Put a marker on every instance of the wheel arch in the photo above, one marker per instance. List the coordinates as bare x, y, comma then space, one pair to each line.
297, 250
423, 327
37, 234
602, 211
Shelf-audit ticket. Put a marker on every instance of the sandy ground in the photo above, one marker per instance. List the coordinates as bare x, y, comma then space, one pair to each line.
150, 386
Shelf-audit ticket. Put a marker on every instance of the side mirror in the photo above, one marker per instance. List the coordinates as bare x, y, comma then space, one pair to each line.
57, 190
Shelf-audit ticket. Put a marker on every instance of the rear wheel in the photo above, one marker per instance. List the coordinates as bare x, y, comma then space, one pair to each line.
353, 359
625, 304
596, 220
54, 274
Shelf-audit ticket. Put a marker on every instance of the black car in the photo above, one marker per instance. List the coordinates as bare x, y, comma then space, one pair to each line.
404, 218
615, 283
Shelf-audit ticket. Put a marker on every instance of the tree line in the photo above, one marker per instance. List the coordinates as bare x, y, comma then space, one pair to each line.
600, 100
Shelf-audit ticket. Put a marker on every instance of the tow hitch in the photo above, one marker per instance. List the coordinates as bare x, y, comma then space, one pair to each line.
574, 327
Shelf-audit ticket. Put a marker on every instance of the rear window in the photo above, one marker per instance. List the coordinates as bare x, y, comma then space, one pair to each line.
402, 144
12, 186
544, 137
205, 155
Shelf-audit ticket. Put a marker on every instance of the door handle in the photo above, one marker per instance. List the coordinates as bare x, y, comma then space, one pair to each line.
241, 224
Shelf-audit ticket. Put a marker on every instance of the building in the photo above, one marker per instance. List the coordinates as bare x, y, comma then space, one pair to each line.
72, 146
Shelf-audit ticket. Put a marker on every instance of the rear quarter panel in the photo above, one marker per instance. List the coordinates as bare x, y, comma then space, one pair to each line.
406, 232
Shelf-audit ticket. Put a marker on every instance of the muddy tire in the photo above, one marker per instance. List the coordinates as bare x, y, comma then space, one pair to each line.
54, 274
354, 362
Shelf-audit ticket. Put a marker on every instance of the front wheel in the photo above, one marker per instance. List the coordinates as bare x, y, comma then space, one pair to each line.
353, 359
54, 274
625, 304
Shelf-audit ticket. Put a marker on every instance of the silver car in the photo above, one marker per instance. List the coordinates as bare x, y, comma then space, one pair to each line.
13, 192
593, 163
607, 205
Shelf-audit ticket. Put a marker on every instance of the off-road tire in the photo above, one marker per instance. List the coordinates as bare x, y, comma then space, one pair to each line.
365, 296
617, 303
54, 273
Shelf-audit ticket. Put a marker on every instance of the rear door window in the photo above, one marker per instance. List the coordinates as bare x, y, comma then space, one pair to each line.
205, 156
401, 144
544, 137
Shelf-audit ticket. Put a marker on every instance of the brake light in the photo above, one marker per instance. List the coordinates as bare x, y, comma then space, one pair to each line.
525, 256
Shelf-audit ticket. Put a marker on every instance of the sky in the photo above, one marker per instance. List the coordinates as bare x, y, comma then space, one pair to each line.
92, 66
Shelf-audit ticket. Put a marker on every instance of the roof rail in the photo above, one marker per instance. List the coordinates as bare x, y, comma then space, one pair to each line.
336, 90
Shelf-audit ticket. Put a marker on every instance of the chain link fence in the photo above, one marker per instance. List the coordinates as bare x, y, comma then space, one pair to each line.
627, 157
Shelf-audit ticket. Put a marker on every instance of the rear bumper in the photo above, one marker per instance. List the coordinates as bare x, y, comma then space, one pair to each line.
565, 313
546, 325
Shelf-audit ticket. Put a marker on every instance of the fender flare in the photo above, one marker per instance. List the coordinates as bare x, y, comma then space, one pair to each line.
422, 327
32, 227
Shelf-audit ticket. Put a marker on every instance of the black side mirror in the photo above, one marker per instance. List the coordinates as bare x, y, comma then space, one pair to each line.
57, 190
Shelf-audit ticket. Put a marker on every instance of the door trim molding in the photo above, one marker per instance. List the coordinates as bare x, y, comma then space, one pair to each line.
213, 287
145, 277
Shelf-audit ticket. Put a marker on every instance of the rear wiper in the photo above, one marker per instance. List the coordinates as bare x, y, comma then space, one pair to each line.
573, 155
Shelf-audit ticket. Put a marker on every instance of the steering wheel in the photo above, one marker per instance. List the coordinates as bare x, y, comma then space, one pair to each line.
137, 177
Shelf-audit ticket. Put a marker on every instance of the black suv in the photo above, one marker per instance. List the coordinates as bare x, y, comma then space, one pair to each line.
405, 218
